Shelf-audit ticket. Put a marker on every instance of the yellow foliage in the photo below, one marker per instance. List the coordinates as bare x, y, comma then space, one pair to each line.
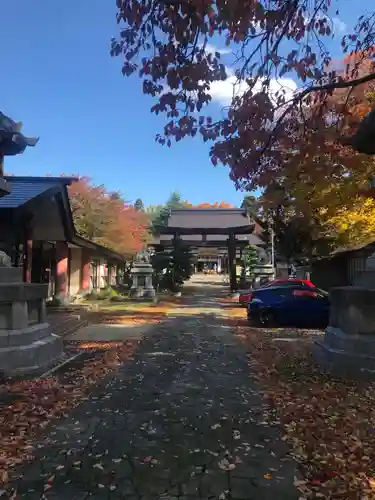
356, 224
333, 198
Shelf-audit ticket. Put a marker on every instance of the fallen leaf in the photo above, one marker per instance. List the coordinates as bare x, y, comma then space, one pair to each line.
226, 465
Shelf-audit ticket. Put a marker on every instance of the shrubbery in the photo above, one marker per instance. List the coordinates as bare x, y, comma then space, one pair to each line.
104, 294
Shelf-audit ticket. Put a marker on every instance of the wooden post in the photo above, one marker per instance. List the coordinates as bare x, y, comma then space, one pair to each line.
62, 269
85, 283
232, 262
27, 252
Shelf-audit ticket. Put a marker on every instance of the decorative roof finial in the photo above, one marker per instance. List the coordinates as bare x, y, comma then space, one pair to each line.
12, 141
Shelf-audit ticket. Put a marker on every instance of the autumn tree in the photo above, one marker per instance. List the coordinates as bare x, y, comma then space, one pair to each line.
291, 101
105, 218
355, 225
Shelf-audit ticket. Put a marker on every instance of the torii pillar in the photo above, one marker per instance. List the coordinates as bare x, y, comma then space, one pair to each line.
231, 242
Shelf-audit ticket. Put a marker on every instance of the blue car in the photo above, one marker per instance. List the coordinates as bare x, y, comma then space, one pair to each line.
286, 306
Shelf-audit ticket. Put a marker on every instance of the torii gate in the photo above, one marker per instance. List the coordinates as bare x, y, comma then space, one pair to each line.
214, 227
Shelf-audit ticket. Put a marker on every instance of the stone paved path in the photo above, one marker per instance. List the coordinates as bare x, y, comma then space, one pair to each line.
182, 421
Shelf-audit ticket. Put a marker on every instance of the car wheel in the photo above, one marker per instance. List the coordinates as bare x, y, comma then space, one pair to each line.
267, 318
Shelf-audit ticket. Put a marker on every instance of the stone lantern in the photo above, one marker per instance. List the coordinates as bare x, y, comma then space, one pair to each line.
142, 272
27, 343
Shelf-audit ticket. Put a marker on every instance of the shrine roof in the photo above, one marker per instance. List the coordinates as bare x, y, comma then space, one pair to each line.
209, 218
24, 189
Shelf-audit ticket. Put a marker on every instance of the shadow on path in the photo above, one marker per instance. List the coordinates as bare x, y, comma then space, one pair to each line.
183, 420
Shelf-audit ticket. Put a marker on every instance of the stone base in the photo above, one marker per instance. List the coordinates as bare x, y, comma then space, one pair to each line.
346, 355
61, 300
142, 293
24, 336
29, 350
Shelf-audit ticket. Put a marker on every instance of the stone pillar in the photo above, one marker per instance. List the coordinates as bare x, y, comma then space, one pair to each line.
219, 265
109, 273
348, 347
232, 262
42, 311
62, 256
27, 251
28, 260
85, 284
20, 315
148, 281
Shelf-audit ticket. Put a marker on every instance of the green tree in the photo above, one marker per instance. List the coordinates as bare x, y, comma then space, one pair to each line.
138, 205
175, 201
161, 219
181, 265
251, 205
250, 259
160, 262
159, 214
173, 268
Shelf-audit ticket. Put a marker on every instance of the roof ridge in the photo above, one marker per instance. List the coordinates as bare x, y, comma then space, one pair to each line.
37, 179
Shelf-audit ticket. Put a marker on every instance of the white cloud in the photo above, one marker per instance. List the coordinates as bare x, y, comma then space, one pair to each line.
212, 49
223, 92
338, 26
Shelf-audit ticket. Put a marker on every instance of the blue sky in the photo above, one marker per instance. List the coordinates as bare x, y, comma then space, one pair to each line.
58, 79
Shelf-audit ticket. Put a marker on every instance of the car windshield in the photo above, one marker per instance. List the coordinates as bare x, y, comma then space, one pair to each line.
284, 283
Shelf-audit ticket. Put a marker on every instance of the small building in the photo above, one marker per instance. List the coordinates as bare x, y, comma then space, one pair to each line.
346, 267
37, 232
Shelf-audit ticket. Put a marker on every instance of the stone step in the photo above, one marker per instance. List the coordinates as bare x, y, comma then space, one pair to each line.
68, 309
68, 326
24, 336
30, 358
335, 339
342, 363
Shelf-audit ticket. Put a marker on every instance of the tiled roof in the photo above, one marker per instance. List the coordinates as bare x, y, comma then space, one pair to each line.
24, 189
208, 218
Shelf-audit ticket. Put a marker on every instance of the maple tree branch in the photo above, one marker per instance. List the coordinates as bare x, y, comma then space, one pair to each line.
342, 84
316, 88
